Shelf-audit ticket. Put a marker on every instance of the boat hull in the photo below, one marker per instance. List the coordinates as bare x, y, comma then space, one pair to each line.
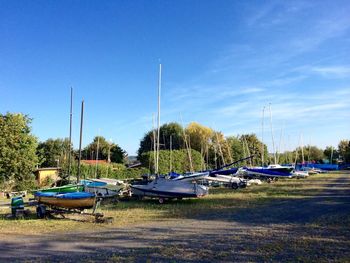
164, 194
69, 201
166, 188
266, 173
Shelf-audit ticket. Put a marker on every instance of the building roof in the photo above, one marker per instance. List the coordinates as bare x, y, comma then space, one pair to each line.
48, 169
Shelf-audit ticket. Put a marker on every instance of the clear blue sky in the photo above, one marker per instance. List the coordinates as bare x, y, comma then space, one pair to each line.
222, 62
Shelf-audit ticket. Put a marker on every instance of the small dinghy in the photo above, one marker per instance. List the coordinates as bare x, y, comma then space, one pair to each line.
75, 200
69, 188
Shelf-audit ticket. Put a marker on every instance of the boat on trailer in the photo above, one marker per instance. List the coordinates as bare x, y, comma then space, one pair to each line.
75, 200
265, 172
163, 188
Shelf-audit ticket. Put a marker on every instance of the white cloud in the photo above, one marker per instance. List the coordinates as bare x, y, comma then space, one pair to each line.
332, 71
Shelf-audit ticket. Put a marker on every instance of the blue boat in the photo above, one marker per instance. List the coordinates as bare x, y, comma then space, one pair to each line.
76, 200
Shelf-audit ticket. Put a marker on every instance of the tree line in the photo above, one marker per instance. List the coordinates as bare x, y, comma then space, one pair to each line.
195, 147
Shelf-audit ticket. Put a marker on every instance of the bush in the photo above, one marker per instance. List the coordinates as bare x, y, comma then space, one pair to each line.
112, 170
28, 184
180, 161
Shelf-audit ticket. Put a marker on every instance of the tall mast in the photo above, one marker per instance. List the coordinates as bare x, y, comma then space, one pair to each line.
171, 151
81, 138
262, 137
97, 149
158, 131
280, 145
154, 144
273, 139
331, 154
187, 145
70, 135
302, 148
220, 149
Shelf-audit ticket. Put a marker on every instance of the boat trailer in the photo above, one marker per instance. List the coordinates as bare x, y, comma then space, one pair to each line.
44, 211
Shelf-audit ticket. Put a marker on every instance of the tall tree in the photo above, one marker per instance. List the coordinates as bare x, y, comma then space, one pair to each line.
311, 154
17, 148
105, 149
344, 150
236, 148
331, 154
199, 136
253, 146
173, 130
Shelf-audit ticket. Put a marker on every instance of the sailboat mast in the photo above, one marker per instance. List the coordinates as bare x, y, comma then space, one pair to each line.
302, 148
262, 137
331, 154
171, 151
97, 150
154, 144
158, 131
273, 139
220, 149
70, 135
80, 139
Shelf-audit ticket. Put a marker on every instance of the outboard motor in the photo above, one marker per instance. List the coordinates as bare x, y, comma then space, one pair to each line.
17, 204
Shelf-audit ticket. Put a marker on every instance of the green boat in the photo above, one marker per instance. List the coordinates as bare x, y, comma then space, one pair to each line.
69, 188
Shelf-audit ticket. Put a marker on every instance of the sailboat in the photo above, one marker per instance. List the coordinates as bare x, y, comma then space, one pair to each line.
68, 188
61, 197
165, 188
272, 171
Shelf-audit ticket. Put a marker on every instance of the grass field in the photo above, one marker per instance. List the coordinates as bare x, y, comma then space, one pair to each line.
297, 220
133, 212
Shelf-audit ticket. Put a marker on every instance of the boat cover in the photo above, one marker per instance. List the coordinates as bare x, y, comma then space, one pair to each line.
75, 195
45, 194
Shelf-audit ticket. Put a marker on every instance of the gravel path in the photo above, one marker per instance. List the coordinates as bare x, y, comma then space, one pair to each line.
315, 228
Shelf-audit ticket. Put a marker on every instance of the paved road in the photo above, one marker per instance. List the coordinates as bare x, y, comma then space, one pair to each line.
315, 228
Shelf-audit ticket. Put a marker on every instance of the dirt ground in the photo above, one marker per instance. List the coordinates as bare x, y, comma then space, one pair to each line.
315, 228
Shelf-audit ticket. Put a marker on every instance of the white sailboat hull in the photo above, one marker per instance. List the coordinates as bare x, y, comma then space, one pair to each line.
165, 188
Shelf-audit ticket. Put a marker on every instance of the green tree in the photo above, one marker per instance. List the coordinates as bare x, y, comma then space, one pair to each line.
344, 150
105, 149
236, 148
53, 152
178, 162
199, 136
17, 148
311, 153
253, 146
220, 152
173, 130
331, 152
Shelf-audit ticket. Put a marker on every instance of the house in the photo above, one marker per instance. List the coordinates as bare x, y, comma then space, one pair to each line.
42, 175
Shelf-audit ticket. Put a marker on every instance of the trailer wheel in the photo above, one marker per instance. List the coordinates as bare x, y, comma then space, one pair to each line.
234, 186
41, 211
161, 200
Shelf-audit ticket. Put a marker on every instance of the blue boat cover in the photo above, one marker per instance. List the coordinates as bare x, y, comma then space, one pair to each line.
92, 183
173, 175
74, 195
96, 184
45, 194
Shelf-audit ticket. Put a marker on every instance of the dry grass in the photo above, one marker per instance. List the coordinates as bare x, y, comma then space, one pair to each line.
135, 212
